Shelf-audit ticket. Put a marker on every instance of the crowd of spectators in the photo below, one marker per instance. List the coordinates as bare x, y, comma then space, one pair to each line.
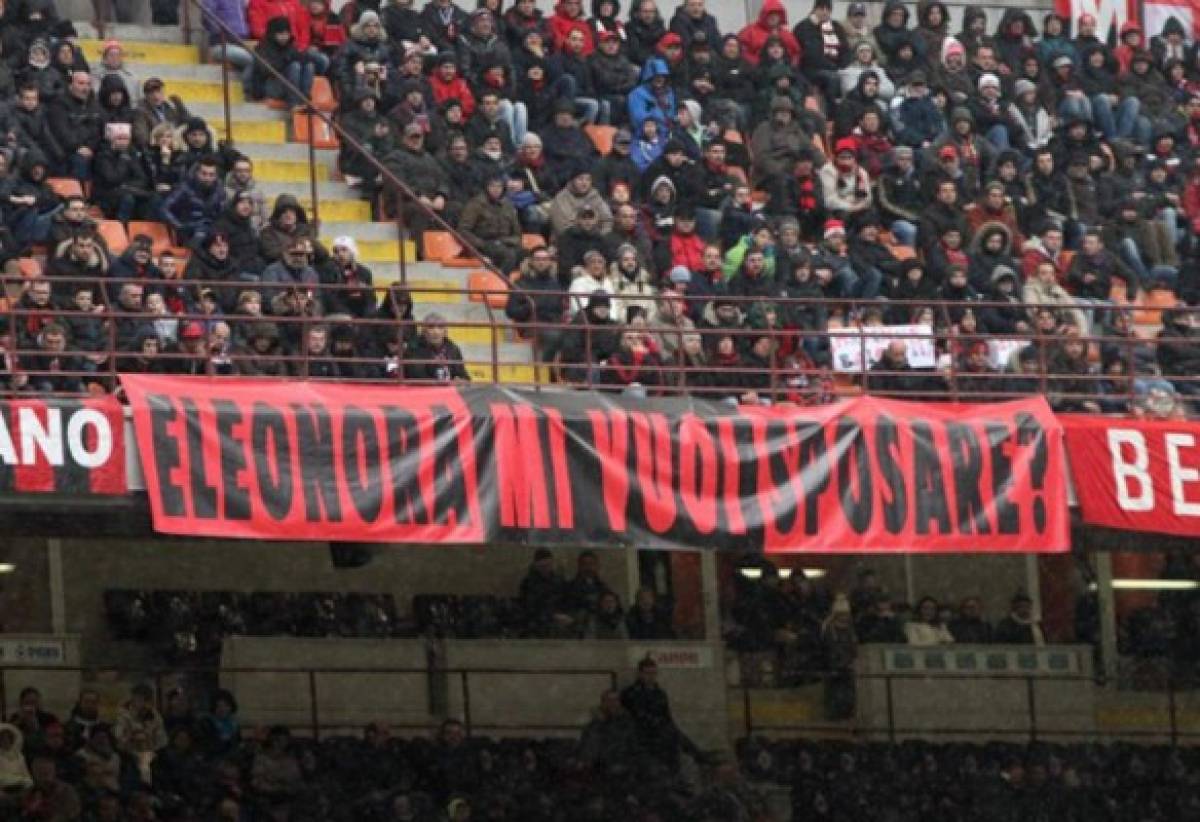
1021, 175
183, 762
789, 629
1160, 637
979, 782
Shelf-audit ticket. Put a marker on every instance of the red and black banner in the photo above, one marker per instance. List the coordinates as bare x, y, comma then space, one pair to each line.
1136, 475
338, 462
53, 446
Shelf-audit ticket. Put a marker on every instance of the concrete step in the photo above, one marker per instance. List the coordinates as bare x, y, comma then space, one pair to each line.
382, 251
326, 190
252, 131
285, 171
506, 352
145, 51
202, 91
360, 230
287, 151
201, 72
508, 372
131, 31
214, 113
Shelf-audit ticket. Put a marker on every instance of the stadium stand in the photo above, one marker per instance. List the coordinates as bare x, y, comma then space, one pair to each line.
1024, 202
614, 197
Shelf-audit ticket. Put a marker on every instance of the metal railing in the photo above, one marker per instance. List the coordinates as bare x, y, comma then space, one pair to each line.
670, 358
1172, 717
391, 184
316, 724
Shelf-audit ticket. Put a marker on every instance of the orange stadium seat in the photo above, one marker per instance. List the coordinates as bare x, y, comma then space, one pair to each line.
531, 241
443, 248
601, 137
323, 134
322, 95
65, 186
114, 236
479, 282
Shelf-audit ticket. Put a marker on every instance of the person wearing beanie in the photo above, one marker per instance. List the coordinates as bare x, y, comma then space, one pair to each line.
866, 59
845, 185
112, 62
1055, 41
1030, 125
901, 197
975, 154
1015, 36
343, 269
951, 72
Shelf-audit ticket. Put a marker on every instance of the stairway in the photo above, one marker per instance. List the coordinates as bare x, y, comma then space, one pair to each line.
264, 135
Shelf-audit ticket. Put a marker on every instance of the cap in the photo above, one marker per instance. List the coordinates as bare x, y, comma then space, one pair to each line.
413, 128
948, 153
833, 228
599, 299
1061, 61
670, 39
623, 136
142, 240
191, 331
917, 78
195, 124
857, 9
903, 151
675, 146
952, 47
680, 275
989, 80
846, 145
1023, 86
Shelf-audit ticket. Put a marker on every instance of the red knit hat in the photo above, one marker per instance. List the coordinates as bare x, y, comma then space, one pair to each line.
834, 227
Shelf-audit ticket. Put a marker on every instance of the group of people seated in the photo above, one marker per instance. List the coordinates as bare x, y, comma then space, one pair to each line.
713, 207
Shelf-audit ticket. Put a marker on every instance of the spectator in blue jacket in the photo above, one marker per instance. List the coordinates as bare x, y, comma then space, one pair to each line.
653, 98
192, 207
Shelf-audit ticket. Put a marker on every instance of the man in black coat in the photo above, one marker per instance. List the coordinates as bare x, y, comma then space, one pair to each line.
659, 737
75, 124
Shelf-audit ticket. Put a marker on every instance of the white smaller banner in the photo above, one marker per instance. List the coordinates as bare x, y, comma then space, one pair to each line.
1000, 352
850, 345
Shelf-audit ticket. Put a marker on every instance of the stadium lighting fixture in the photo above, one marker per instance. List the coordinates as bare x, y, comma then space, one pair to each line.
1155, 584
814, 573
7, 567
751, 572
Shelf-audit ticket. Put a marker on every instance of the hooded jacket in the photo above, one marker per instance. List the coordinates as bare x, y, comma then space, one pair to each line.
891, 39
260, 12
755, 35
562, 24
646, 104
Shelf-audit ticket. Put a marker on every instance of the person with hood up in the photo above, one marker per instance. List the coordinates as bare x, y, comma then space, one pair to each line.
1157, 109
777, 143
864, 60
771, 23
1030, 125
917, 121
1132, 39
974, 30
952, 74
279, 50
39, 72
433, 356
865, 96
992, 206
1179, 350
237, 223
933, 26
653, 98
991, 246
564, 143
900, 196
481, 45
568, 17
605, 21
824, 50
113, 99
31, 205
262, 354
211, 263
1015, 36
1056, 40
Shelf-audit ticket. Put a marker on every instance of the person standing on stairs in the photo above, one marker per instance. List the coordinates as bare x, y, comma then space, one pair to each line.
424, 176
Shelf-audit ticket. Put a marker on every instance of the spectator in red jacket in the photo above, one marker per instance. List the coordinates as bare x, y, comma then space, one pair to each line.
568, 17
772, 22
258, 12
448, 85
687, 247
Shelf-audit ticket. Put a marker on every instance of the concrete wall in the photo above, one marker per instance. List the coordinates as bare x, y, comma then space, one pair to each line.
542, 687
25, 593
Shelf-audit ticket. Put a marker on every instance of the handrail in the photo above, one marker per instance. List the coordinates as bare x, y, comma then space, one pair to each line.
656, 376
228, 36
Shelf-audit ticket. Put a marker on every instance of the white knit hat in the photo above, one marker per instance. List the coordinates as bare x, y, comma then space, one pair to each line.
347, 242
